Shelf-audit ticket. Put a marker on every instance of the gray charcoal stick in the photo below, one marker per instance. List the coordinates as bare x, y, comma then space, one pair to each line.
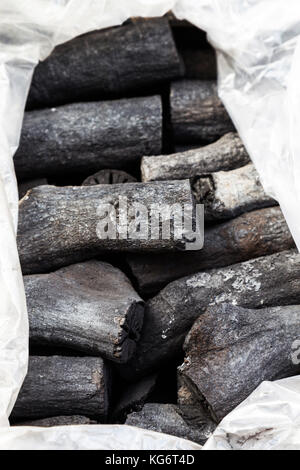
87, 137
90, 307
110, 63
58, 421
59, 226
108, 177
64, 385
254, 234
267, 281
228, 153
227, 194
188, 422
197, 114
230, 350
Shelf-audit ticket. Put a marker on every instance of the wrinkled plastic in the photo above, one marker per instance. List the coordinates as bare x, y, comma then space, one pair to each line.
269, 419
258, 61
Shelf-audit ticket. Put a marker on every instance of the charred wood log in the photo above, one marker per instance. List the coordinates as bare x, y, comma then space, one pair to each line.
227, 194
228, 153
230, 350
198, 116
64, 385
134, 397
90, 307
86, 137
58, 421
111, 63
258, 233
62, 226
267, 281
187, 422
109, 177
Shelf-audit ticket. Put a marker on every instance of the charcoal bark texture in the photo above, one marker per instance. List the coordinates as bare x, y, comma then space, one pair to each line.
254, 234
230, 350
112, 63
186, 422
89, 307
58, 421
228, 153
59, 226
267, 281
227, 194
109, 177
64, 385
197, 114
87, 137
133, 397
26, 185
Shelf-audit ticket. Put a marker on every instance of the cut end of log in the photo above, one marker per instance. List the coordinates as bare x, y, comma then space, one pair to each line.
129, 334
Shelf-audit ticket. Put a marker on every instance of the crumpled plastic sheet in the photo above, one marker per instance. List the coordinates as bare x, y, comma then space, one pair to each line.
258, 52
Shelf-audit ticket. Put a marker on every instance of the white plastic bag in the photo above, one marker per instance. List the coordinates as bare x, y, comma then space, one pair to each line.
258, 61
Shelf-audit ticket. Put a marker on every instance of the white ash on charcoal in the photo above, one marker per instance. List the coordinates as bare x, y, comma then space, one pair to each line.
230, 350
266, 281
228, 153
227, 194
86, 137
197, 113
132, 58
64, 385
89, 307
188, 422
62, 226
251, 235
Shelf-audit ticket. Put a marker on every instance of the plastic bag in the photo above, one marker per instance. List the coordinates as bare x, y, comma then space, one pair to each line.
258, 60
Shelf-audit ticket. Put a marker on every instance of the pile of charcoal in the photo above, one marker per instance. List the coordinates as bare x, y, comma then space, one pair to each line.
142, 331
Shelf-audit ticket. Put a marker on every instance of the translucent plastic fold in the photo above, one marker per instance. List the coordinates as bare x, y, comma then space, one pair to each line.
258, 67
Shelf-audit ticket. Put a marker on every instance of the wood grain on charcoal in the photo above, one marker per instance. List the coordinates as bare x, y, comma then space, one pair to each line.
254, 234
87, 137
230, 350
228, 153
110, 63
182, 421
58, 421
197, 114
61, 385
267, 281
89, 307
227, 194
58, 226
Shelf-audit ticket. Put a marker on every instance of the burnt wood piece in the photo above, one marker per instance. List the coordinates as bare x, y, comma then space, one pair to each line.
249, 236
87, 137
109, 177
64, 385
227, 194
188, 422
228, 153
197, 114
90, 307
133, 397
62, 226
230, 350
26, 185
267, 281
58, 421
132, 58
